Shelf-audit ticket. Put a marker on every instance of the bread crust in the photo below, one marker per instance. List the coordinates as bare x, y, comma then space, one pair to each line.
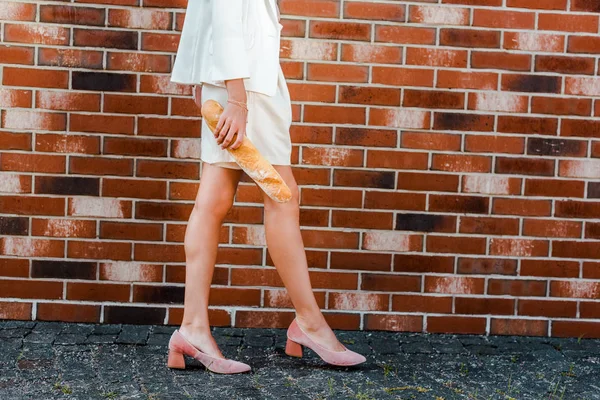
249, 158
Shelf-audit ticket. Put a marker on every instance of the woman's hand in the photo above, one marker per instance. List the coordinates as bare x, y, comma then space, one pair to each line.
234, 117
232, 123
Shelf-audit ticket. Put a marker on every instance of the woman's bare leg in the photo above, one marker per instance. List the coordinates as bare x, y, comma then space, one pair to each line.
284, 240
214, 199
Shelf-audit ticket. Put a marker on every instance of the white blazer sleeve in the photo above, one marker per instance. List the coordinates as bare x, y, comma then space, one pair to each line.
229, 51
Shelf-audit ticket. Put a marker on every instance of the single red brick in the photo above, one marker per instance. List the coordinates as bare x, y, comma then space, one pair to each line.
500, 60
45, 78
454, 324
503, 19
356, 137
449, 79
404, 34
430, 141
581, 329
17, 54
589, 309
487, 266
422, 303
454, 285
522, 207
428, 182
547, 5
552, 228
371, 53
529, 125
153, 41
314, 8
533, 41
489, 225
565, 64
396, 160
378, 11
519, 247
358, 301
101, 123
548, 308
494, 144
68, 312
98, 291
99, 250
293, 28
263, 319
31, 289
140, 19
576, 249
568, 23
461, 163
469, 38
368, 95
394, 322
36, 34
460, 204
517, 287
553, 105
554, 188
56, 227
439, 15
433, 99
584, 44
16, 310
576, 209
580, 128
15, 11
14, 267
470, 305
395, 201
68, 15
364, 261
403, 76
391, 283
520, 327
340, 30
436, 57
335, 114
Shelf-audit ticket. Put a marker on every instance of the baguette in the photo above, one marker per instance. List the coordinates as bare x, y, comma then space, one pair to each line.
249, 158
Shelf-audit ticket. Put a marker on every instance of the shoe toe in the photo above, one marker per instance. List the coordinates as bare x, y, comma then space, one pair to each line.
239, 367
357, 358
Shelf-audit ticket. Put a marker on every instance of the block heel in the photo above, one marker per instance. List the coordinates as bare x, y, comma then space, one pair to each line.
176, 360
293, 349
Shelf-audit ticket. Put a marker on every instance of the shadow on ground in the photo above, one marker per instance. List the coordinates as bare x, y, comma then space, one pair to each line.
56, 360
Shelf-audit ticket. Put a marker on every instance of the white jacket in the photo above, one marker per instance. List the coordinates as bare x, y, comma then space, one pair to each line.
229, 39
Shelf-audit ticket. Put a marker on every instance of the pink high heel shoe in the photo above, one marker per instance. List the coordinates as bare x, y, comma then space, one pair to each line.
296, 338
179, 345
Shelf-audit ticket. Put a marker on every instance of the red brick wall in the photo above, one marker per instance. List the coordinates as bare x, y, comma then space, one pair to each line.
447, 152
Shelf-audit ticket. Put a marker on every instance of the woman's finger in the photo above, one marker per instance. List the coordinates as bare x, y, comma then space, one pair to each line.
222, 120
240, 138
223, 132
229, 138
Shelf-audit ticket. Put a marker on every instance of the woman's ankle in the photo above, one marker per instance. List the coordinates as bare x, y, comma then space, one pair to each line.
312, 322
196, 328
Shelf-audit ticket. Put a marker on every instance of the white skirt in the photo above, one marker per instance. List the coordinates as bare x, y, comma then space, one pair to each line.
268, 127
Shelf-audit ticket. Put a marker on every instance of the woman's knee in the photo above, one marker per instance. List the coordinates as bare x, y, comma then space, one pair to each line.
216, 204
290, 206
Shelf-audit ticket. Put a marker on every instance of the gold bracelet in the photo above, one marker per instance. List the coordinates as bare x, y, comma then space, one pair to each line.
239, 104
